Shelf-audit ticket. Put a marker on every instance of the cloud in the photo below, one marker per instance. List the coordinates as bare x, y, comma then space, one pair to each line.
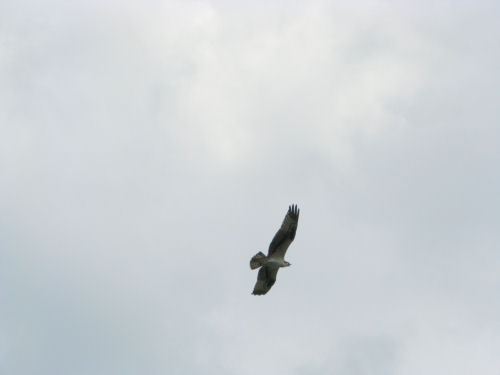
148, 151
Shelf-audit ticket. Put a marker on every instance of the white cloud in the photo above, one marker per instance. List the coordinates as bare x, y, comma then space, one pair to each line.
147, 151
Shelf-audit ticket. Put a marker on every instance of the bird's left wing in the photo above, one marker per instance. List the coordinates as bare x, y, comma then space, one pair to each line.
265, 280
286, 234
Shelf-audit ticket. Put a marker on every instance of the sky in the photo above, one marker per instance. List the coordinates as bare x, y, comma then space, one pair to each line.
149, 149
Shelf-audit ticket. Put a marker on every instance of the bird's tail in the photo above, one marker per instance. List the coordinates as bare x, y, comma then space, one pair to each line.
257, 260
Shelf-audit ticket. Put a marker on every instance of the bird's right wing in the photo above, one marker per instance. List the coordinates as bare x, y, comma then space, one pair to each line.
286, 234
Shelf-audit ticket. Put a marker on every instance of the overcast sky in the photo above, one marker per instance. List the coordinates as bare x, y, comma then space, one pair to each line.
149, 149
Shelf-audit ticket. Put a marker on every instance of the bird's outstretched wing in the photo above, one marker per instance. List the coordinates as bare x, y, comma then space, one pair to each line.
265, 280
285, 235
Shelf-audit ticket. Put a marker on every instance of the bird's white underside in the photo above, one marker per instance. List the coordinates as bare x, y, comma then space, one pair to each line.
278, 262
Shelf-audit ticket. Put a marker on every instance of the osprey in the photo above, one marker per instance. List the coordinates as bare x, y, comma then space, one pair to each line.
276, 253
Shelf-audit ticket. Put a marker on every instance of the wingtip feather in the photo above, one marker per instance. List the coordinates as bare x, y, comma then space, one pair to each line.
294, 209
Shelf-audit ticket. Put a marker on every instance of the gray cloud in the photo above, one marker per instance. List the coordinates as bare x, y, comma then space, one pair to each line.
148, 151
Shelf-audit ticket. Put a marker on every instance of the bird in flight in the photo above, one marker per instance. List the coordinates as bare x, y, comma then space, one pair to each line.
270, 264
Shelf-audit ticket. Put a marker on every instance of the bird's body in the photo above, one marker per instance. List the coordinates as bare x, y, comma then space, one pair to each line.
275, 259
274, 262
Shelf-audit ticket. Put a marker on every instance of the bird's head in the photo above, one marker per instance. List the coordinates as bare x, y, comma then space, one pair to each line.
287, 264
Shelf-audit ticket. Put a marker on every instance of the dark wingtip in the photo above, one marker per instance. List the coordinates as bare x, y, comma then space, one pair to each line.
294, 209
258, 292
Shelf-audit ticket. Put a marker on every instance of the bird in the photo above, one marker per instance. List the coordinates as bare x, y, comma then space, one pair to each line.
275, 259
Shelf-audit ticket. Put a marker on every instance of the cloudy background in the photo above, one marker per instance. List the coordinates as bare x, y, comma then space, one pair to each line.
148, 150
